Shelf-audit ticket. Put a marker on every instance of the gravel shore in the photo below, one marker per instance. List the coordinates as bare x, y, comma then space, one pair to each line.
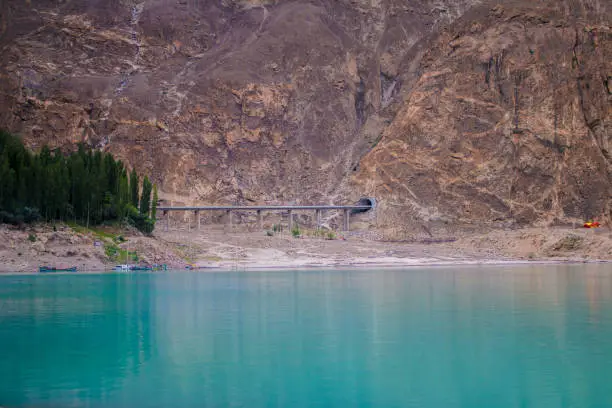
213, 248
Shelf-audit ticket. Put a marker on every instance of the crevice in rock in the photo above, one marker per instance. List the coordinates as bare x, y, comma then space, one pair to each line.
360, 107
592, 124
388, 89
518, 79
488, 73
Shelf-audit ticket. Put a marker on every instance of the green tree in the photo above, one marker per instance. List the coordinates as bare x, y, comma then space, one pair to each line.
124, 195
86, 185
134, 188
6, 182
154, 204
145, 198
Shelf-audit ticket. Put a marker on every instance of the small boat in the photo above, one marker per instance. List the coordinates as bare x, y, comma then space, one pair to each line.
133, 268
193, 267
141, 268
45, 269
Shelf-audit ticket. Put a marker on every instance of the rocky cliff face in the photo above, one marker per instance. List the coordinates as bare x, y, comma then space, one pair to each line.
450, 112
508, 121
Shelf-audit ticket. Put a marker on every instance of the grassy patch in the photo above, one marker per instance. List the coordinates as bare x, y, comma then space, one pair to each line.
77, 228
186, 252
99, 233
569, 243
116, 254
103, 234
213, 258
110, 239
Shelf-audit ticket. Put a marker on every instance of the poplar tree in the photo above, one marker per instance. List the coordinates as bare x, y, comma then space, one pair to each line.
85, 186
154, 203
134, 188
145, 198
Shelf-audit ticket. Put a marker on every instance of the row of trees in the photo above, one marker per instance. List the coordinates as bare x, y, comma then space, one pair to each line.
84, 186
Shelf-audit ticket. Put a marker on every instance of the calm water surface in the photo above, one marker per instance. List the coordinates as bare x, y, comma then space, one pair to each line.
438, 337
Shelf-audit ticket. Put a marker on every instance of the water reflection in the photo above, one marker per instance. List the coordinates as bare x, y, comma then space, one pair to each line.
453, 337
70, 339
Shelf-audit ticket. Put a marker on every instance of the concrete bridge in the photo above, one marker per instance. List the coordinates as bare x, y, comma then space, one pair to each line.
365, 204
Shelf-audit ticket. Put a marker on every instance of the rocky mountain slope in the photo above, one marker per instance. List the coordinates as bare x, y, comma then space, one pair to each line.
451, 113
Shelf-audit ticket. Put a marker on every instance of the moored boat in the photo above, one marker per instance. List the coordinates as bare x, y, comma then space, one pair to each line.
133, 268
46, 269
141, 268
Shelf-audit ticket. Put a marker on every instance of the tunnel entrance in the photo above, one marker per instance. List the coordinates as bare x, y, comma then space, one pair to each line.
365, 201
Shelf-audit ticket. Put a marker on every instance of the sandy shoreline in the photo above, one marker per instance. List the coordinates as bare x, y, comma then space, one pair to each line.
400, 263
218, 250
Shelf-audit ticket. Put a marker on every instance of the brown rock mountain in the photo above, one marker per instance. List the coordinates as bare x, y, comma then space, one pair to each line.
449, 112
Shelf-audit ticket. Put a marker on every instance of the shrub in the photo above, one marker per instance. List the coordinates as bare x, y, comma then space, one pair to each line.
134, 256
31, 214
330, 235
6, 217
296, 232
111, 251
32, 237
142, 222
571, 242
276, 228
26, 215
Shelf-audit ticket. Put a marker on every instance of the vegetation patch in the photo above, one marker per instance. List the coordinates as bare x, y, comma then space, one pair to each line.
117, 254
212, 258
86, 187
571, 242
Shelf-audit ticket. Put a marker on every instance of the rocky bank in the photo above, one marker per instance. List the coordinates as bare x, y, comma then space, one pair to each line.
242, 249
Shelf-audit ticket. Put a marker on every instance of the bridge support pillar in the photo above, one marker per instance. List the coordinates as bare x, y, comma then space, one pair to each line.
229, 218
290, 220
259, 219
346, 219
318, 217
167, 215
197, 215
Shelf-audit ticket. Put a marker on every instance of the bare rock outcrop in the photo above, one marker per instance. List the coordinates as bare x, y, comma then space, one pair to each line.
450, 112
509, 122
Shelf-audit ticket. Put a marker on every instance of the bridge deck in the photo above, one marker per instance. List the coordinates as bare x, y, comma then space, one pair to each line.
267, 207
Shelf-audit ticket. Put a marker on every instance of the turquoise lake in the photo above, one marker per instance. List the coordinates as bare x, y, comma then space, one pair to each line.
521, 336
